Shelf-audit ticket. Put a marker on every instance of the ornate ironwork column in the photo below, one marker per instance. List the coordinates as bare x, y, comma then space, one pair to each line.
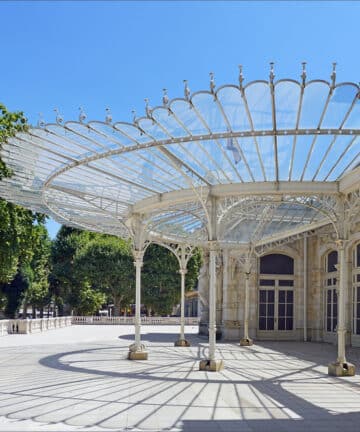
246, 341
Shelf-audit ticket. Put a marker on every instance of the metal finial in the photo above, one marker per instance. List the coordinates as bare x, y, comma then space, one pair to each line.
41, 122
333, 74
59, 118
303, 74
108, 117
147, 107
186, 90
82, 115
212, 82
272, 75
133, 112
241, 76
165, 98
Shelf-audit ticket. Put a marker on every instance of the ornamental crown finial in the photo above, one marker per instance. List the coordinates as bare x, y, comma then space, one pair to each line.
186, 90
133, 112
82, 115
241, 76
41, 122
333, 74
272, 74
59, 118
212, 82
303, 74
108, 117
165, 98
147, 108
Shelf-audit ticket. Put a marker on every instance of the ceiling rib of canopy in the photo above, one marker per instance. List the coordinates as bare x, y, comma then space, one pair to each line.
274, 154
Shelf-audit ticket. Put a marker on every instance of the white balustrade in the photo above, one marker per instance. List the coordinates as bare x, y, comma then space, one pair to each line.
101, 320
25, 326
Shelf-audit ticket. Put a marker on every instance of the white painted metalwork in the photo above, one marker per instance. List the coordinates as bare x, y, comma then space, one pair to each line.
296, 140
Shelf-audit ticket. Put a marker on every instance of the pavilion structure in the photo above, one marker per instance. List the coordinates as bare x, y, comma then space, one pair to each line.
244, 171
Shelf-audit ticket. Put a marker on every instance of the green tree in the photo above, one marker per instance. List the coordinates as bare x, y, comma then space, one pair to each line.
16, 289
161, 279
89, 301
107, 263
64, 283
38, 294
16, 224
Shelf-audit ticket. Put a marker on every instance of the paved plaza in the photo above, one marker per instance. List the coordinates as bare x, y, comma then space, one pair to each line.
78, 378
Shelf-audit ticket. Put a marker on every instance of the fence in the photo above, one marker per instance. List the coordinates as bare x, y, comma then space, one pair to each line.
24, 326
101, 320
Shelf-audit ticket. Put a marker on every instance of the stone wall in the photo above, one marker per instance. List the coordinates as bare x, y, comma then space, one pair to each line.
231, 291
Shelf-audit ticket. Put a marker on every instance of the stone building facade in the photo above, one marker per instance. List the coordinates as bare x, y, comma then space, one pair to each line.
293, 290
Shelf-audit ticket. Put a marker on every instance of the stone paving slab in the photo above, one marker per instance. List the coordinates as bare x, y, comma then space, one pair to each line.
78, 379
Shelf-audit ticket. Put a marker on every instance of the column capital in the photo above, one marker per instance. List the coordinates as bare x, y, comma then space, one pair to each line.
213, 245
341, 243
183, 271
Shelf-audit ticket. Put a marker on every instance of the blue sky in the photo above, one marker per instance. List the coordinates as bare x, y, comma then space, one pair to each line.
114, 54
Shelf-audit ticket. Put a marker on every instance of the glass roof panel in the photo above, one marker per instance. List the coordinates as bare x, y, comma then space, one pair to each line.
209, 111
169, 122
196, 155
340, 103
152, 129
302, 148
253, 169
320, 145
333, 155
234, 108
183, 110
112, 134
314, 101
52, 143
132, 132
259, 101
284, 144
266, 144
347, 160
287, 98
97, 140
217, 139
353, 121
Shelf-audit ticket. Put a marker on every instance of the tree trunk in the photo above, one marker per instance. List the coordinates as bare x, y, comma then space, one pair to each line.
42, 312
117, 305
25, 306
33, 312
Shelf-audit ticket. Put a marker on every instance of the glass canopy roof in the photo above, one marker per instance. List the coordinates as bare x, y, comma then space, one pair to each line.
240, 143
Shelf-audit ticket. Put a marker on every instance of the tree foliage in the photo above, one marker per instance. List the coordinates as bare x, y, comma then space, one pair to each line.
89, 301
106, 262
17, 234
38, 294
64, 283
161, 288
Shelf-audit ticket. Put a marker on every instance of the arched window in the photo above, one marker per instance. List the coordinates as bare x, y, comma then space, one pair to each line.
330, 285
356, 288
276, 293
276, 264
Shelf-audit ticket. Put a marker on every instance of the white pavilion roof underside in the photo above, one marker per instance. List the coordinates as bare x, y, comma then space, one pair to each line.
243, 143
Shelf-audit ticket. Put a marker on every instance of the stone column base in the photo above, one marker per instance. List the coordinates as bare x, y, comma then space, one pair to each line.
341, 369
137, 352
246, 342
182, 343
137, 355
211, 365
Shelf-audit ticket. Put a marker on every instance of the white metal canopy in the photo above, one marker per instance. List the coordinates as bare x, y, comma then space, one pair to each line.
274, 154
